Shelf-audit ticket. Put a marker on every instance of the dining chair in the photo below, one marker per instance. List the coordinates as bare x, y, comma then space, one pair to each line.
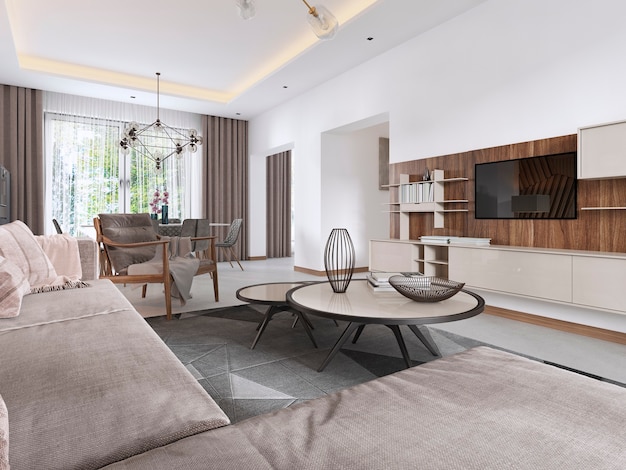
230, 240
197, 228
57, 227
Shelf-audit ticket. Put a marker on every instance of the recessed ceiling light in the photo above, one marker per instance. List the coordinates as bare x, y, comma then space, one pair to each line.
370, 38
285, 86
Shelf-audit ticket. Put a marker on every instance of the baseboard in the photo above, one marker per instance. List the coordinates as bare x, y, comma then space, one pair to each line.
314, 272
561, 325
257, 258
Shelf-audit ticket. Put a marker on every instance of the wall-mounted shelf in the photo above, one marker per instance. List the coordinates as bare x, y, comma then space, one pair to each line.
424, 197
608, 208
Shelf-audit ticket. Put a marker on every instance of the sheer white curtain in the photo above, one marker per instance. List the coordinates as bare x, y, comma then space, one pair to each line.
86, 174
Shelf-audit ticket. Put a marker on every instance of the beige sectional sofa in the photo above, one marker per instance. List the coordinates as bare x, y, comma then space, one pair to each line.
88, 384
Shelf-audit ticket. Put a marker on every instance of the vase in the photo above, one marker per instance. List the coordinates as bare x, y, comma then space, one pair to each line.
153, 216
164, 214
339, 259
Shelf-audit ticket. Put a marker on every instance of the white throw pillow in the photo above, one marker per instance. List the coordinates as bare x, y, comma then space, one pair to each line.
13, 286
4, 436
18, 245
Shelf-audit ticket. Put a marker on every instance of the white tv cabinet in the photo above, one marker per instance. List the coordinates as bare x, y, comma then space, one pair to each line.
409, 256
580, 278
602, 151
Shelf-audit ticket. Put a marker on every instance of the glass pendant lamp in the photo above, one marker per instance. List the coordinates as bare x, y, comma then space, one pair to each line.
247, 9
322, 21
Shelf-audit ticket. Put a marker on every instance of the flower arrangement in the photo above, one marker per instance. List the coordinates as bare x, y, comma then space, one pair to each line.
154, 204
166, 197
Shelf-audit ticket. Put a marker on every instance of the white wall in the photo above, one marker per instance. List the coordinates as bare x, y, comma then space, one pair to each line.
350, 196
506, 71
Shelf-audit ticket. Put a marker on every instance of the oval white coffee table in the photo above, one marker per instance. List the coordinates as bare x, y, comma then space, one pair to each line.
360, 306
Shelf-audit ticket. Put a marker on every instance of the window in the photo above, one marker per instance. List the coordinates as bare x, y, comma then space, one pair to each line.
87, 174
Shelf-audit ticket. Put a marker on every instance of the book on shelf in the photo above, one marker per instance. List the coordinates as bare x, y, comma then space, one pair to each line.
416, 193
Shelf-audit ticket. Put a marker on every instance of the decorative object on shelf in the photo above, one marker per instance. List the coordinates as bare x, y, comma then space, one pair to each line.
339, 259
158, 141
425, 288
322, 21
426, 176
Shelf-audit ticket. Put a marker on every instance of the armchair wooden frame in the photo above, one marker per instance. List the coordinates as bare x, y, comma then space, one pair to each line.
164, 277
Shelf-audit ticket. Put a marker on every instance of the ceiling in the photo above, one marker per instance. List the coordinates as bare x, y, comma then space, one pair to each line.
211, 61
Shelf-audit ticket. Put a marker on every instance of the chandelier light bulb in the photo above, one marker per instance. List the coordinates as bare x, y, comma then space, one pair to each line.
157, 141
323, 22
247, 9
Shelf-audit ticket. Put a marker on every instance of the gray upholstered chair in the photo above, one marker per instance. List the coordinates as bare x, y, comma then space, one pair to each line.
230, 240
57, 227
197, 228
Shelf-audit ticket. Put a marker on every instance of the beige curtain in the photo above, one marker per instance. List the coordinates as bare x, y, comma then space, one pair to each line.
21, 152
225, 176
278, 186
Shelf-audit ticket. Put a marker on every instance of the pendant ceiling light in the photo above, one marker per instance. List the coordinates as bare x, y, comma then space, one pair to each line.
158, 141
322, 21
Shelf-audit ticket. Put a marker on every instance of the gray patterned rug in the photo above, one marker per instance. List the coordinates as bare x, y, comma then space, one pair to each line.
214, 345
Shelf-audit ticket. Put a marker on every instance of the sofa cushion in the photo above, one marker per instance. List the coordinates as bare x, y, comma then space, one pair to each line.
13, 286
18, 245
4, 436
478, 409
85, 392
128, 228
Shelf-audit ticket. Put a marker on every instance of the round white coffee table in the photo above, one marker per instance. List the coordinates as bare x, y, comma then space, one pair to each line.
360, 306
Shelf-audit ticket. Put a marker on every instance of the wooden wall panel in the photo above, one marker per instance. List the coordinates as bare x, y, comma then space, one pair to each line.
592, 230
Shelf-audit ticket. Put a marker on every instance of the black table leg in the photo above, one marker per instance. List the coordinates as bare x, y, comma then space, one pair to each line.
307, 326
402, 344
342, 339
266, 319
357, 335
426, 341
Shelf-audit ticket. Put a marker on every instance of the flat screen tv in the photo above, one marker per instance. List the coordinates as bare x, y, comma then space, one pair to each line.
527, 188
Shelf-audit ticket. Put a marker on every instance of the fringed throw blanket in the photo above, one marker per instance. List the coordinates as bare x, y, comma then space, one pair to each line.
183, 267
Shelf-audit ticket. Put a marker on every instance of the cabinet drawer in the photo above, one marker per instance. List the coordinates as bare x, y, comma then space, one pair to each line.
602, 151
600, 282
391, 256
541, 275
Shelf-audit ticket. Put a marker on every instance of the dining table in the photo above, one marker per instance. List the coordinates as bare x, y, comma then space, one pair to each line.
174, 230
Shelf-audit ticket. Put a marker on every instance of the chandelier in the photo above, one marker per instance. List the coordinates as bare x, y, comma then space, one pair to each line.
158, 141
322, 21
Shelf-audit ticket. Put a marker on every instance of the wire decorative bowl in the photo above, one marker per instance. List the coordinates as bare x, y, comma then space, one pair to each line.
425, 288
